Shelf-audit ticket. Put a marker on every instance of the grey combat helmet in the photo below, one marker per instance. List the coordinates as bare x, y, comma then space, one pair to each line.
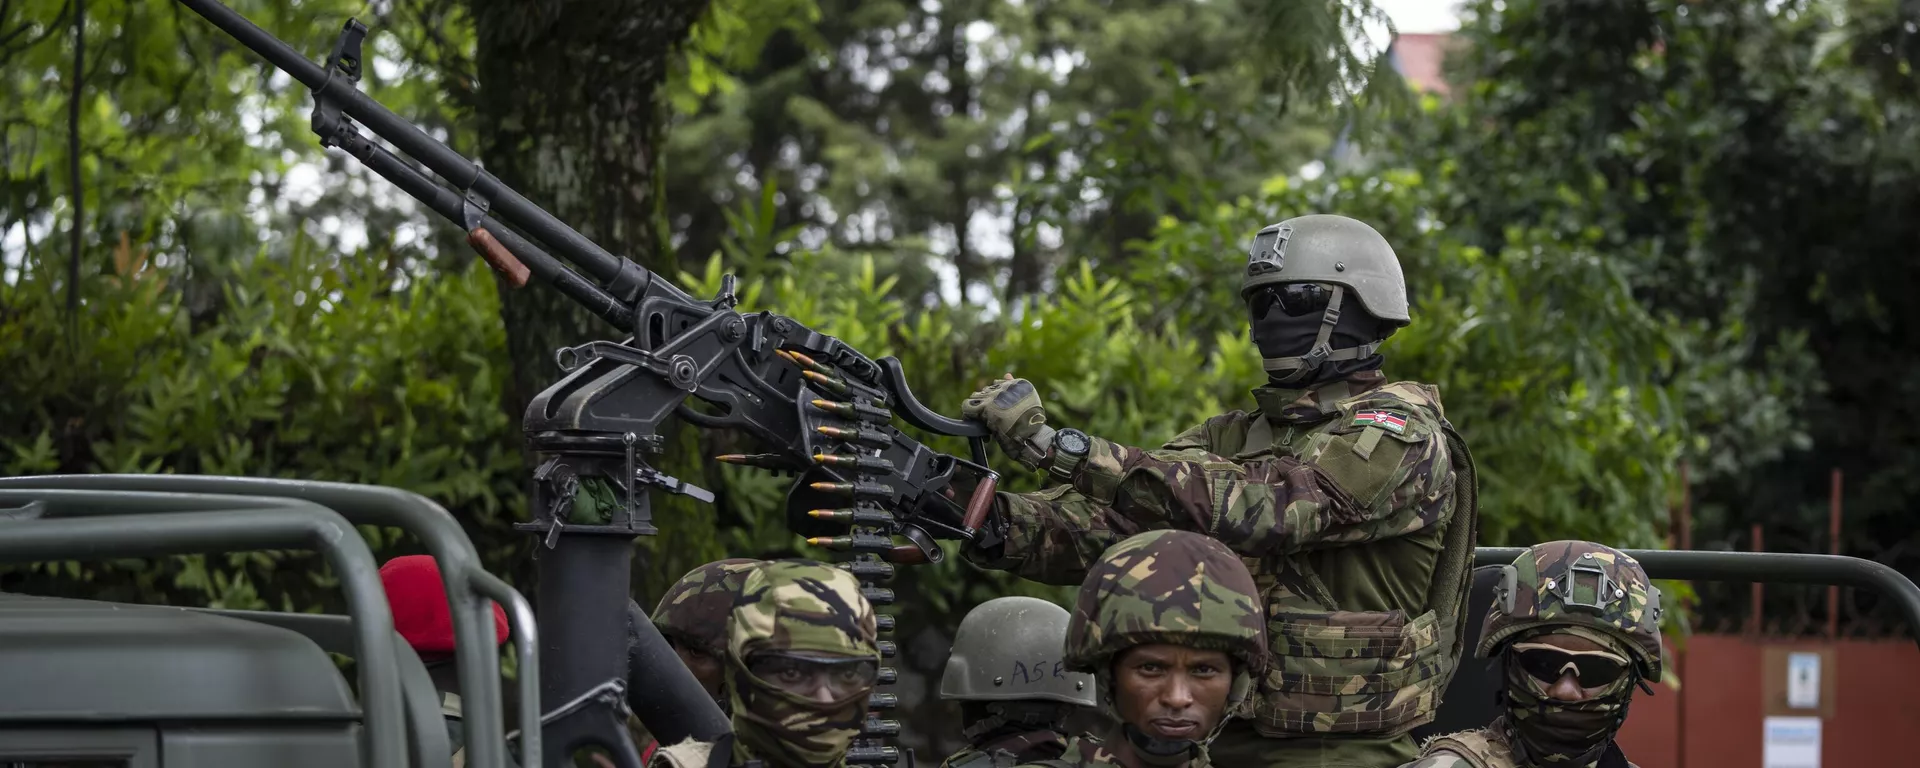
1013, 649
1331, 250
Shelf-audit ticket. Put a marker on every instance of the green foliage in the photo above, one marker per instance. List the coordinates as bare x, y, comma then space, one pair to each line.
1593, 233
313, 368
1008, 141
1752, 166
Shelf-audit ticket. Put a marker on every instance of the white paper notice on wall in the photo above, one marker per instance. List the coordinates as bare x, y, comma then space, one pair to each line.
1803, 680
1791, 742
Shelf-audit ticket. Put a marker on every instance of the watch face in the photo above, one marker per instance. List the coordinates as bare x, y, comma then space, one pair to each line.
1073, 441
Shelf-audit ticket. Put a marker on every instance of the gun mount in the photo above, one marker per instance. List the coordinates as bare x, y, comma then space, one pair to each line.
819, 407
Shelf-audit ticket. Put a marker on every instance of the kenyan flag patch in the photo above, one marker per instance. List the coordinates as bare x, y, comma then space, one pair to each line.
1387, 420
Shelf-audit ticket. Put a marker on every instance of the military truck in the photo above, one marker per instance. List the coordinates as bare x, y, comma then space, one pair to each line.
91, 683
88, 683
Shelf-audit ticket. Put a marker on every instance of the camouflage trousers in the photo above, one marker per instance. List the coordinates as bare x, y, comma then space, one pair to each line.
1240, 747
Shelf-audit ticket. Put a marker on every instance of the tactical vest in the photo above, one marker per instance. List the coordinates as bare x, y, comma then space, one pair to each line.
1338, 671
1480, 749
1486, 748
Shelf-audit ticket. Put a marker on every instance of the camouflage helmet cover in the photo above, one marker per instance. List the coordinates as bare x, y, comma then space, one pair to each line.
803, 606
1583, 584
1009, 649
1333, 249
1169, 586
694, 610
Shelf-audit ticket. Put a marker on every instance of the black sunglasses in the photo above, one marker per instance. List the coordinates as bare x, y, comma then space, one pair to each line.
1294, 299
1547, 663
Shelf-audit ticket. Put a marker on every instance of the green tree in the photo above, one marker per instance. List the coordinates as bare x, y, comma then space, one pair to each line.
1753, 166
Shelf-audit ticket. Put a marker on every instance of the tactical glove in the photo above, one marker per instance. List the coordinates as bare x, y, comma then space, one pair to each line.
1012, 411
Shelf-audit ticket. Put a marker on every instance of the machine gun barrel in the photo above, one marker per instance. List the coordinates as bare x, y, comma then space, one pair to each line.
621, 280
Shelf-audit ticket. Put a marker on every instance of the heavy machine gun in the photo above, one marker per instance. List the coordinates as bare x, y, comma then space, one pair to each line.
819, 408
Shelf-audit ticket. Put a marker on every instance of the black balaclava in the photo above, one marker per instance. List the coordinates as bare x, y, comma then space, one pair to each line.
1279, 335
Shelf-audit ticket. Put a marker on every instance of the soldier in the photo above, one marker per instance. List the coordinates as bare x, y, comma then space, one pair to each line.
1169, 624
692, 616
1014, 689
418, 600
801, 660
1577, 628
1351, 498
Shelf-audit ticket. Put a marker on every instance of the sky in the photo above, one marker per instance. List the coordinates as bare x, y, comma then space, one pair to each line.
1422, 15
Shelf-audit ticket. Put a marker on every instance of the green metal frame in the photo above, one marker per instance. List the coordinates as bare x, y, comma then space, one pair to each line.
1764, 568
314, 527
469, 586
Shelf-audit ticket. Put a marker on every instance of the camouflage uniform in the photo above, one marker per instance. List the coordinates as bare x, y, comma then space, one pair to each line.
1343, 514
1081, 751
693, 613
694, 610
1011, 749
1352, 500
1171, 587
796, 606
1562, 587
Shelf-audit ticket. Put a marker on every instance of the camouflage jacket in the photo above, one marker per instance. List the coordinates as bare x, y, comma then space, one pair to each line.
1485, 748
1342, 499
1010, 750
1080, 751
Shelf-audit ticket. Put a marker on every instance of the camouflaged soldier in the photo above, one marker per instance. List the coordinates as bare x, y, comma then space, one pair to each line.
801, 660
692, 616
1011, 679
1577, 627
1169, 624
1350, 496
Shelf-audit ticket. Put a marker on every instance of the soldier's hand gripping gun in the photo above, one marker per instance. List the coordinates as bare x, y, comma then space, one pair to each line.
818, 408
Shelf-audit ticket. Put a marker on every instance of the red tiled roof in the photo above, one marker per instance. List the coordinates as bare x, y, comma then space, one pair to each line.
1418, 57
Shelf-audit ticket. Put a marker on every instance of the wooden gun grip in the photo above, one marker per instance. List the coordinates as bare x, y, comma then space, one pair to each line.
980, 502
498, 257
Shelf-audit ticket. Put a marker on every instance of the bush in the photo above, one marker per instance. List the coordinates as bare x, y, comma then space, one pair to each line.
306, 367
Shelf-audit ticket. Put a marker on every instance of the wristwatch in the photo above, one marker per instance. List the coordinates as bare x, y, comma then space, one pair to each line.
1070, 447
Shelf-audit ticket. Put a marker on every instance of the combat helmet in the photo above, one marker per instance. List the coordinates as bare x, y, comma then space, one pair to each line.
1577, 583
694, 610
1328, 250
1169, 586
1009, 649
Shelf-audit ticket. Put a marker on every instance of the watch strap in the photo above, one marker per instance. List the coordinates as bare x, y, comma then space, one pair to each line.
1064, 465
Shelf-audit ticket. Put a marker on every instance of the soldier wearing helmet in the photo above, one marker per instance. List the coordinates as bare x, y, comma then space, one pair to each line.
802, 657
1350, 496
1577, 628
1014, 688
1169, 624
692, 616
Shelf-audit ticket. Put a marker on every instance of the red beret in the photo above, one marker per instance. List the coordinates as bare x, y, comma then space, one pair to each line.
419, 602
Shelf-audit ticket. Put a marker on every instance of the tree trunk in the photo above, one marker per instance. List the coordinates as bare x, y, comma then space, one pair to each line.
568, 117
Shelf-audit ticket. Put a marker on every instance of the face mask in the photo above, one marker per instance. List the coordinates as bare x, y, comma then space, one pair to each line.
1285, 321
792, 730
1554, 732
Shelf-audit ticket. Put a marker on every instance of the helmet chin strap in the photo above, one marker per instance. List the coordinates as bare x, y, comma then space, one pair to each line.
1156, 751
1297, 369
